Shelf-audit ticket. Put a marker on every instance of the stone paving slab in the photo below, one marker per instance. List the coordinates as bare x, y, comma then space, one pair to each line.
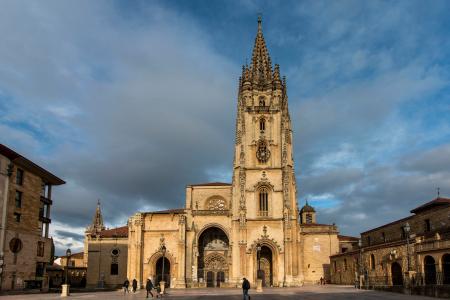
328, 292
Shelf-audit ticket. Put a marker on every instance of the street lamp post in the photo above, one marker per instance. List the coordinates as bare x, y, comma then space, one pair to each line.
258, 274
407, 230
361, 269
65, 287
162, 283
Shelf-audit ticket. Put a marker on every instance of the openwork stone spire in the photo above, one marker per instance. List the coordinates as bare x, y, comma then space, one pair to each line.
261, 66
259, 75
97, 222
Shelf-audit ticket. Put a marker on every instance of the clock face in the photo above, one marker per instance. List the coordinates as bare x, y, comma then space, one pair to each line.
262, 153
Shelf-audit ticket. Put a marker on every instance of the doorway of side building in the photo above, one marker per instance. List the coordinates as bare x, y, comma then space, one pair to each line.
159, 271
446, 269
430, 270
265, 266
397, 274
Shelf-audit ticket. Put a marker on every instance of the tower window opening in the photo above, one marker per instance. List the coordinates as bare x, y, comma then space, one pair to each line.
262, 101
263, 202
262, 124
308, 218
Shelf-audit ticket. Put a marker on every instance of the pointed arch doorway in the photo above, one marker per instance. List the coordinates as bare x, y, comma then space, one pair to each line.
213, 253
159, 271
265, 266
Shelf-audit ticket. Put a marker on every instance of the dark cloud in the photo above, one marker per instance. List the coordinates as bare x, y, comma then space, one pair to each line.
69, 234
129, 104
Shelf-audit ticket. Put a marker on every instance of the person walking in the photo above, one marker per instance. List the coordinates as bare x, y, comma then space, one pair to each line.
245, 288
149, 287
126, 284
158, 291
134, 285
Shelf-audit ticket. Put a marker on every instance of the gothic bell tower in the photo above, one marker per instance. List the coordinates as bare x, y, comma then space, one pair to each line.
264, 184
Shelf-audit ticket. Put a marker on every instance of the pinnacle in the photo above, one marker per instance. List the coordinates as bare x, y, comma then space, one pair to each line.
261, 65
97, 222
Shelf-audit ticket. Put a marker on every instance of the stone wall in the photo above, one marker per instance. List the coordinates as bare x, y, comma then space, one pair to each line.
101, 257
21, 267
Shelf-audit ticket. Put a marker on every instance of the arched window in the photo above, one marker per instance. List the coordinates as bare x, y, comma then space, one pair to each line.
262, 101
263, 202
114, 269
372, 261
262, 124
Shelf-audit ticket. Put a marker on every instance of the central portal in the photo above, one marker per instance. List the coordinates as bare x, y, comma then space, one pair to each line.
213, 250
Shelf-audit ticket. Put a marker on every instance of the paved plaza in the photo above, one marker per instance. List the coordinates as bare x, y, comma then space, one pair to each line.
329, 292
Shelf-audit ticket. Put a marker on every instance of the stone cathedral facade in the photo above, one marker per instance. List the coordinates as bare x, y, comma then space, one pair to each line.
247, 228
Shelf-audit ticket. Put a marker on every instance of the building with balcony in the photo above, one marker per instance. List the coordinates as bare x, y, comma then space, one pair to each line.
25, 205
412, 252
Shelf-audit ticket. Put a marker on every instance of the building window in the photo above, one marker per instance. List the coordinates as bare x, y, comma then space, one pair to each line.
19, 177
345, 264
39, 269
372, 261
262, 101
309, 218
263, 202
15, 245
427, 225
334, 265
40, 249
368, 241
383, 237
18, 199
262, 124
344, 249
114, 269
17, 217
403, 233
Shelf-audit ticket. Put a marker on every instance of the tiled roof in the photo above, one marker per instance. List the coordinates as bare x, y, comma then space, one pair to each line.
54, 267
439, 201
346, 237
211, 184
167, 211
115, 232
75, 255
23, 161
388, 224
316, 224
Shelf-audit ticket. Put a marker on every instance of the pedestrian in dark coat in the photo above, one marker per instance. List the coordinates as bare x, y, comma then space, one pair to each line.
245, 288
126, 284
149, 287
134, 285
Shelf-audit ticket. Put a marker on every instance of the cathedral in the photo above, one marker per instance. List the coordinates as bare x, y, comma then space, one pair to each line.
251, 227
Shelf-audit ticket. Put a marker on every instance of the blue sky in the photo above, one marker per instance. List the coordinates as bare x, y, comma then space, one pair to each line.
131, 101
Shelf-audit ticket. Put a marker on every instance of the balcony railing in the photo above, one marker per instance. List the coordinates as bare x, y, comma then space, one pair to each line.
42, 216
206, 212
46, 200
432, 245
263, 213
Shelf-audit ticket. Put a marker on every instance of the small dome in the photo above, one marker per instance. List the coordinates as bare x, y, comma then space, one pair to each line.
307, 208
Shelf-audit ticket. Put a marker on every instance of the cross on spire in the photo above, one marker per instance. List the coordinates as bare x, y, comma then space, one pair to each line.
438, 191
